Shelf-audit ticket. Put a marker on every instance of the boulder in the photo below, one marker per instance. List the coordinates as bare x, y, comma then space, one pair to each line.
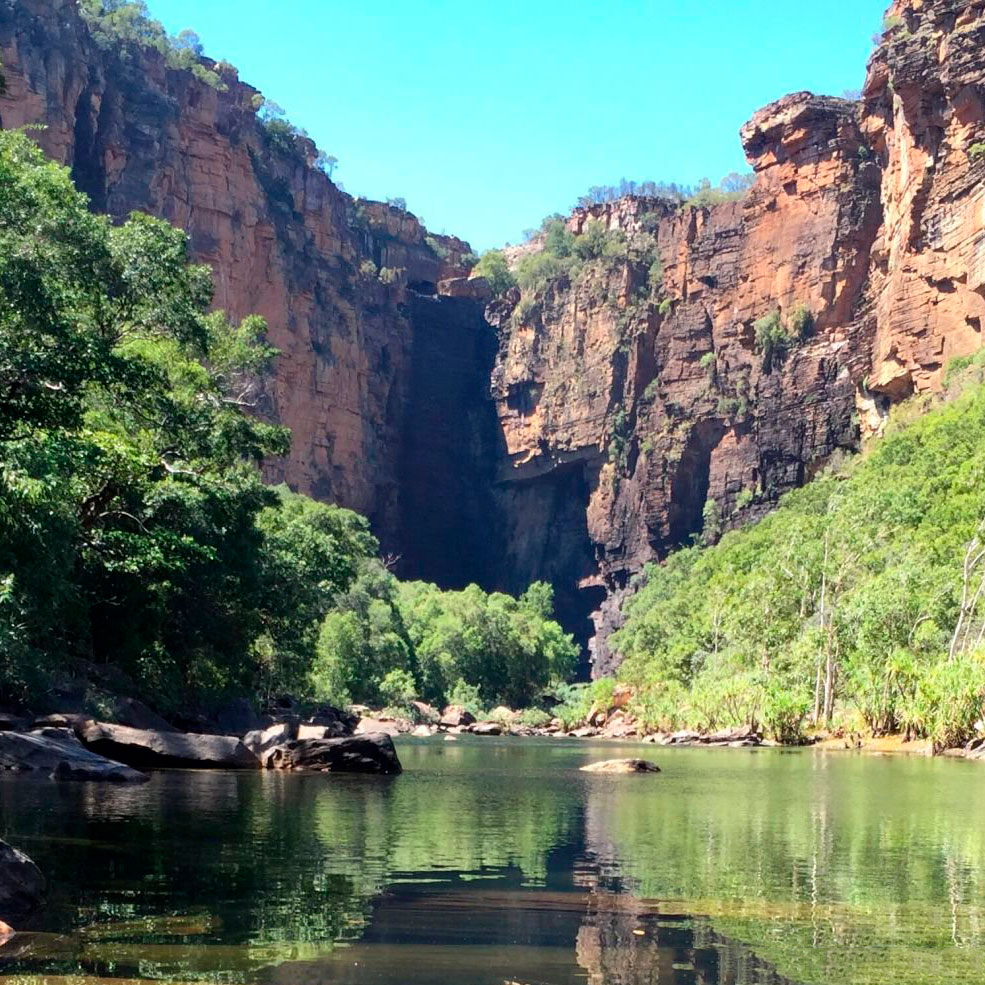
21, 883
620, 726
60, 754
148, 749
424, 714
351, 754
622, 766
238, 717
261, 741
134, 713
339, 721
473, 288
585, 732
12, 722
486, 728
382, 726
455, 716
423, 731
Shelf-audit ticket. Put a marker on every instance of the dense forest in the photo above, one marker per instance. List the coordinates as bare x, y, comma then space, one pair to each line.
136, 533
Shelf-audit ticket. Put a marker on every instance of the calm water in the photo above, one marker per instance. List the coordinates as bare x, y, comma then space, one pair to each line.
492, 861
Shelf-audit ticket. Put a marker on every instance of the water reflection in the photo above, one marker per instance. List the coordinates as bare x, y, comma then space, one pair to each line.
493, 861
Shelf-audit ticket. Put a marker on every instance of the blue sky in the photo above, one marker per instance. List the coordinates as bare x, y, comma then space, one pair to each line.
488, 116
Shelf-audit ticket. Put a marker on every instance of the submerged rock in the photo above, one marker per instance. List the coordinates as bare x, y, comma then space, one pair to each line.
622, 766
149, 749
59, 753
351, 754
21, 884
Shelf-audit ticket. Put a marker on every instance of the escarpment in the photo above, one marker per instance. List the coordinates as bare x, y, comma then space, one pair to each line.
599, 425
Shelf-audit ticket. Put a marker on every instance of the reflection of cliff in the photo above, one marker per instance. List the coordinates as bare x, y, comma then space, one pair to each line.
528, 937
622, 941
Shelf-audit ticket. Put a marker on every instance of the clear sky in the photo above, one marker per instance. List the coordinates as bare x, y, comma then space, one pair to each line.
488, 116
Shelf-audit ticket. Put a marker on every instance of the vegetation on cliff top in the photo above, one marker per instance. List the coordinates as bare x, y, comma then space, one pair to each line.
858, 602
117, 23
136, 534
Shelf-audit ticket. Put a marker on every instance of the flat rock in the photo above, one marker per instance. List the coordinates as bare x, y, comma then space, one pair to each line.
622, 766
22, 885
59, 753
350, 754
148, 749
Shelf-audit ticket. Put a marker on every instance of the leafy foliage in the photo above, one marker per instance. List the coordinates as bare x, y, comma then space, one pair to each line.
134, 526
465, 647
853, 587
126, 22
493, 266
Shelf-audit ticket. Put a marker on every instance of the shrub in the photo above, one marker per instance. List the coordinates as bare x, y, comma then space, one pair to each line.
664, 307
744, 499
391, 275
801, 323
534, 718
784, 713
976, 152
367, 268
437, 247
493, 266
950, 700
398, 688
772, 340
711, 527
709, 363
467, 695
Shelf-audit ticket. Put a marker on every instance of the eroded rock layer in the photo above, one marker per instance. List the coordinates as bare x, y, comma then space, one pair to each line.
586, 437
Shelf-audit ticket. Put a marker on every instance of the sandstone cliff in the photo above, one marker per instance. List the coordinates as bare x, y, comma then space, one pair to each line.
481, 447
282, 240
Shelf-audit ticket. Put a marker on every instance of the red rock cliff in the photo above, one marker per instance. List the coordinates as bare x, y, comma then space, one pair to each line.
499, 466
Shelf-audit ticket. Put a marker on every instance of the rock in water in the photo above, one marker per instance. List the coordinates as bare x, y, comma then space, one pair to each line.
58, 752
486, 728
350, 754
622, 766
147, 749
21, 883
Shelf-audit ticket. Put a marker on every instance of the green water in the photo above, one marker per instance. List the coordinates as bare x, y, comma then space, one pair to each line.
496, 860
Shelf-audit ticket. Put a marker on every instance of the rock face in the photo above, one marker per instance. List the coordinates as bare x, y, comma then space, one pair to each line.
146, 749
481, 447
59, 753
352, 754
22, 885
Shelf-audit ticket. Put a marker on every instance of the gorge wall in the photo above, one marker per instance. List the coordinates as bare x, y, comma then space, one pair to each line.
479, 442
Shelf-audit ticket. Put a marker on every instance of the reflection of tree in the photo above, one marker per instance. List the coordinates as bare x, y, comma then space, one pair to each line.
431, 825
200, 873
834, 869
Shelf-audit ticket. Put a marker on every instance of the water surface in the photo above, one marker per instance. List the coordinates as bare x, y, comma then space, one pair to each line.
496, 860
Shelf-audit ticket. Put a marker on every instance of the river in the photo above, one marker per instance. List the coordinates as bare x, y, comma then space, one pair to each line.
496, 860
